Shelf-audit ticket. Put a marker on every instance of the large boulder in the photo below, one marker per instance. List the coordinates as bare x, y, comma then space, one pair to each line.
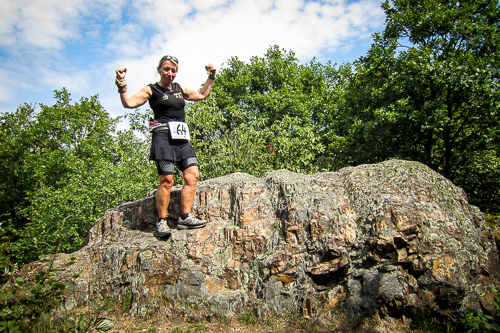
391, 237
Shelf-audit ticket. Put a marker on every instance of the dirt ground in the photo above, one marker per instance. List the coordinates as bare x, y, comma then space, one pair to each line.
243, 324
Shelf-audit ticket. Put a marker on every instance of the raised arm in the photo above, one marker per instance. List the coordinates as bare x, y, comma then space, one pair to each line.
134, 101
195, 96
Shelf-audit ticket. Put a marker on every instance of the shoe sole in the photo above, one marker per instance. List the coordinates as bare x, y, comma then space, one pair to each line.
185, 227
159, 234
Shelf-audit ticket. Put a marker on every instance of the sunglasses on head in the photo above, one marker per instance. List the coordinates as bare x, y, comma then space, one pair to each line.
169, 57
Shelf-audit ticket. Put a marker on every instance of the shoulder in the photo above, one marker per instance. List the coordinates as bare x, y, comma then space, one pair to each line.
178, 86
151, 88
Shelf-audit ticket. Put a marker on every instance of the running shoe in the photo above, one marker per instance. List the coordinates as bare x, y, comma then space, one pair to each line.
190, 222
162, 228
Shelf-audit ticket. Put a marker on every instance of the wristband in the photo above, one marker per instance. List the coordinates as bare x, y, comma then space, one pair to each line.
211, 77
120, 83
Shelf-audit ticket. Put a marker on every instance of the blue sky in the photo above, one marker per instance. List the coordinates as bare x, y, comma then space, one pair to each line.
49, 44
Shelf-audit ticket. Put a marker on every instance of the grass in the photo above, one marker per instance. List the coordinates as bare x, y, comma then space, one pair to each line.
191, 329
248, 318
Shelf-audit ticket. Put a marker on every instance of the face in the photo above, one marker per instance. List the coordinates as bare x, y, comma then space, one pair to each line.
167, 71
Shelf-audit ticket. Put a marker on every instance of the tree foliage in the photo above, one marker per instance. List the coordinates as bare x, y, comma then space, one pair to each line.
61, 168
268, 114
435, 101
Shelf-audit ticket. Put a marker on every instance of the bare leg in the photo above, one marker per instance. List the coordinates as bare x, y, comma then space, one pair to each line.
191, 176
163, 194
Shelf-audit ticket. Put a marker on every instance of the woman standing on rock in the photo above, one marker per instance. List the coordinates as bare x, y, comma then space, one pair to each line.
170, 143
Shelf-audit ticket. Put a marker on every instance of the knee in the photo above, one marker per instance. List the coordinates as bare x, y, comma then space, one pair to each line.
191, 177
166, 182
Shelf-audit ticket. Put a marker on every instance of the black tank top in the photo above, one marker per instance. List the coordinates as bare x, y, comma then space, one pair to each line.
167, 105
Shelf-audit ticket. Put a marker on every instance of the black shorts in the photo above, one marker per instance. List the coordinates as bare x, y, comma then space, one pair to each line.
166, 167
165, 148
167, 152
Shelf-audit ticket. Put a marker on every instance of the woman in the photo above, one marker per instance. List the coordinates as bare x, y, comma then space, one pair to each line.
169, 144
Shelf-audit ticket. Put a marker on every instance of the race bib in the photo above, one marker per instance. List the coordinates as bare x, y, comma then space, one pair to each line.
179, 130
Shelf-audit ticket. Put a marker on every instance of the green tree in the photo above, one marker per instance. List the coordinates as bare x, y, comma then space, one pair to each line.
62, 167
436, 100
264, 115
14, 178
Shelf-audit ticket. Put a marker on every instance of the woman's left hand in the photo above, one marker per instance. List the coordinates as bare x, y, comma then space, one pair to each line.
210, 69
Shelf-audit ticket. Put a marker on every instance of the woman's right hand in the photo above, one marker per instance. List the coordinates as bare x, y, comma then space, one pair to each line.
120, 73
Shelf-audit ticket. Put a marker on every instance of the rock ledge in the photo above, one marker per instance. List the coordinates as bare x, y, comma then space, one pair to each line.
393, 237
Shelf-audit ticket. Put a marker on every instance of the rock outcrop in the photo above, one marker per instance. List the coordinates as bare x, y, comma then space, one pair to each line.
393, 237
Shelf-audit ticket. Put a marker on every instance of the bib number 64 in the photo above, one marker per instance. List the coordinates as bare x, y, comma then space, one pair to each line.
179, 130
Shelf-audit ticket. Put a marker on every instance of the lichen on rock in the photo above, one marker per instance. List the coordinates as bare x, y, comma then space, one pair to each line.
389, 237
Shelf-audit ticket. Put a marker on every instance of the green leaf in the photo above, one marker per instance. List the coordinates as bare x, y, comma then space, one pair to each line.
104, 308
83, 326
104, 325
60, 286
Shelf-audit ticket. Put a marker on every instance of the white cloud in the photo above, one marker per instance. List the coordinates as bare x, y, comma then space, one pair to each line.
137, 33
165, 16
42, 24
8, 17
7, 90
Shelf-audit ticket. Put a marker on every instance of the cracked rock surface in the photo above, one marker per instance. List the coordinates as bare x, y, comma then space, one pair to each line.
390, 237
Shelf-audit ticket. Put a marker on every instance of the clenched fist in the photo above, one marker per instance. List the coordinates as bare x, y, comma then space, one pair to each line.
210, 69
120, 73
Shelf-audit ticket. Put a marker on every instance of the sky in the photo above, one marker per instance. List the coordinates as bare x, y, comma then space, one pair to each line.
46, 45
